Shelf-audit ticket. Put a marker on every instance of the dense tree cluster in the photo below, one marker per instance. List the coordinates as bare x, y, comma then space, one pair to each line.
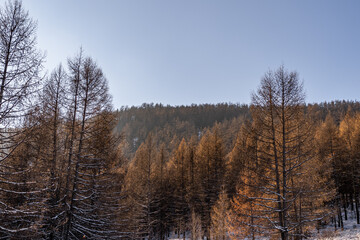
168, 123
287, 172
58, 150
72, 168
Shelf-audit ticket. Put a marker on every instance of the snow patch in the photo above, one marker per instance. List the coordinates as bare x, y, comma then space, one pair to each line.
351, 231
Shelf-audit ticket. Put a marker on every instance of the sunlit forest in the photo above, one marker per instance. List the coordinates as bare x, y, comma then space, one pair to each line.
74, 167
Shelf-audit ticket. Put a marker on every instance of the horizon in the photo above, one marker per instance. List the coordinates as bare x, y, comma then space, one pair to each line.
228, 103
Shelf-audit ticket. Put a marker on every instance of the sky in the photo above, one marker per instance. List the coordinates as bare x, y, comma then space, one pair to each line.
204, 51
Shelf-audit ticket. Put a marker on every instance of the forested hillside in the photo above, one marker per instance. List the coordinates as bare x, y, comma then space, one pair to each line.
72, 167
168, 123
202, 171
172, 123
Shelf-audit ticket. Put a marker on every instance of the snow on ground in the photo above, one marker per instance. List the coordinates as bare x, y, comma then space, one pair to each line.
174, 236
351, 230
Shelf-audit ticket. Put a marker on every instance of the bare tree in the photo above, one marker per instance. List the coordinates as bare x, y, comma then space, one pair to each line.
20, 61
284, 149
20, 66
73, 95
52, 100
85, 167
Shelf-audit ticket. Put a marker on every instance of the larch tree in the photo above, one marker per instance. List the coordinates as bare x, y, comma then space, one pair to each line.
162, 179
141, 190
235, 164
104, 180
25, 189
193, 191
179, 171
348, 159
310, 186
283, 133
210, 160
92, 100
52, 100
219, 217
196, 226
20, 66
327, 144
74, 66
71, 129
247, 214
244, 218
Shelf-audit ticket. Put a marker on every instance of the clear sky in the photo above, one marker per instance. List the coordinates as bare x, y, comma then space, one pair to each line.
203, 51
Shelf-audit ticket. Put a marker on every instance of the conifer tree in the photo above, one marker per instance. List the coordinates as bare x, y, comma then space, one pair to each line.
53, 103
91, 100
141, 189
247, 214
219, 217
196, 226
244, 218
179, 173
284, 135
24, 192
20, 65
211, 164
348, 159
163, 194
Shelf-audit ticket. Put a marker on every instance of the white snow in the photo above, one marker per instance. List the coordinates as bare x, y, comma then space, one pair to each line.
351, 230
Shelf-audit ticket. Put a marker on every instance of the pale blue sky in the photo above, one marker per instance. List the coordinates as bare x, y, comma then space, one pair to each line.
203, 51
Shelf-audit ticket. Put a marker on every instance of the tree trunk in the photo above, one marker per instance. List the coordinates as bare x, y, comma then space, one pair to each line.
344, 206
357, 209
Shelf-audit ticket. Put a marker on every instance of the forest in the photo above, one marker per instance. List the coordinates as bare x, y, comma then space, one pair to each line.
73, 167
